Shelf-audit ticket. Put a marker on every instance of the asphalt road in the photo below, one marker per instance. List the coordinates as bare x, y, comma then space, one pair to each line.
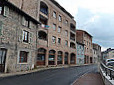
62, 76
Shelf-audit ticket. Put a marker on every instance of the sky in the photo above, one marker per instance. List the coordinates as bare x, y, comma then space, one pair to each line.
94, 16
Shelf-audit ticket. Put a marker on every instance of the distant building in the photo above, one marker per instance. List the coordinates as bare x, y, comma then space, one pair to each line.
80, 54
95, 56
86, 39
96, 52
108, 54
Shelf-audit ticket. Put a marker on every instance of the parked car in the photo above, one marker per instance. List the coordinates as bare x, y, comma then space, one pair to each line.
110, 64
109, 60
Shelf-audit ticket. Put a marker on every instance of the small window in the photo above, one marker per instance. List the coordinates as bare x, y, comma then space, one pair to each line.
59, 29
25, 36
54, 27
23, 57
60, 18
66, 33
59, 40
6, 11
26, 22
66, 22
54, 14
66, 43
1, 10
53, 39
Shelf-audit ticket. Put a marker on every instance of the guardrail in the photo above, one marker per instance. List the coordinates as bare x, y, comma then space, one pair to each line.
108, 71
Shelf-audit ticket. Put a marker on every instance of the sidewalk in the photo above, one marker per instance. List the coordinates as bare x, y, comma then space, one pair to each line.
90, 79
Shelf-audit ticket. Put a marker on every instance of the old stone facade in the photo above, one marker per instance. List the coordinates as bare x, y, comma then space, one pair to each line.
98, 51
17, 39
27, 44
85, 38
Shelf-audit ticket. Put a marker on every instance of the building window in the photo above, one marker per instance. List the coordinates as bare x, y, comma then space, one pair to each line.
25, 36
26, 22
59, 29
66, 33
54, 27
4, 10
23, 57
1, 9
66, 43
59, 40
60, 18
41, 54
53, 39
66, 22
54, 14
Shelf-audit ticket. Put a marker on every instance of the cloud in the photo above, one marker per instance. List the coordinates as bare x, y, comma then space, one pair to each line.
94, 16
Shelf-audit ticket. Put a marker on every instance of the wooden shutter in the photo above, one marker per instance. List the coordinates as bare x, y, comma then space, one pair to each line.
20, 36
23, 21
6, 11
30, 37
1, 26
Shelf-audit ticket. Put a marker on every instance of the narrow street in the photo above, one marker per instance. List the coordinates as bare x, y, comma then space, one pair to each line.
63, 76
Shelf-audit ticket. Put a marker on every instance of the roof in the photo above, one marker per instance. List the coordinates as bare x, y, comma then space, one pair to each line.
85, 32
13, 7
59, 6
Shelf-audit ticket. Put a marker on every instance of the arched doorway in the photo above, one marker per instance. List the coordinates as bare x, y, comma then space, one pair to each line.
41, 56
72, 58
59, 58
66, 58
51, 58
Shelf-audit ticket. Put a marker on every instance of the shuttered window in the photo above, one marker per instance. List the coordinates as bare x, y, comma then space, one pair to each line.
6, 11
1, 26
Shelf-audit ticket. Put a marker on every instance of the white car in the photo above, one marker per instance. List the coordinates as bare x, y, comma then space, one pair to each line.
109, 60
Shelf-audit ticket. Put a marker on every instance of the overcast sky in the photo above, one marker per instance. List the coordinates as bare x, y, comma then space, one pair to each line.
94, 16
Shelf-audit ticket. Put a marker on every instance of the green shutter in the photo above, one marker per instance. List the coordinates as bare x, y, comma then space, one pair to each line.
6, 11
30, 37
1, 26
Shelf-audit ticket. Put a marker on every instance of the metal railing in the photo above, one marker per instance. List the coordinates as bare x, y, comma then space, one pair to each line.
108, 71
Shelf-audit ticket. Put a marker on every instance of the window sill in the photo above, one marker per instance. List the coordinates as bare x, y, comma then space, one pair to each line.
23, 63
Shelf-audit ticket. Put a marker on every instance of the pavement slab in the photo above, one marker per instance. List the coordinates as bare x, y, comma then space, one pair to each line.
90, 79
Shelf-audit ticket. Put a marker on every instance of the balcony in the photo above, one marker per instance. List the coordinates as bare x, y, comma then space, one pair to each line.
43, 8
72, 27
72, 45
42, 38
72, 36
44, 11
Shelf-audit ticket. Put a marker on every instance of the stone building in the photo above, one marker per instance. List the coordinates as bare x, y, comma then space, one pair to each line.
18, 33
85, 38
97, 48
80, 54
95, 57
56, 36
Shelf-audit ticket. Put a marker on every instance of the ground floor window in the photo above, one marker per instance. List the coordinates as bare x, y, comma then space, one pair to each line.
72, 58
23, 57
66, 58
51, 57
41, 54
59, 58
